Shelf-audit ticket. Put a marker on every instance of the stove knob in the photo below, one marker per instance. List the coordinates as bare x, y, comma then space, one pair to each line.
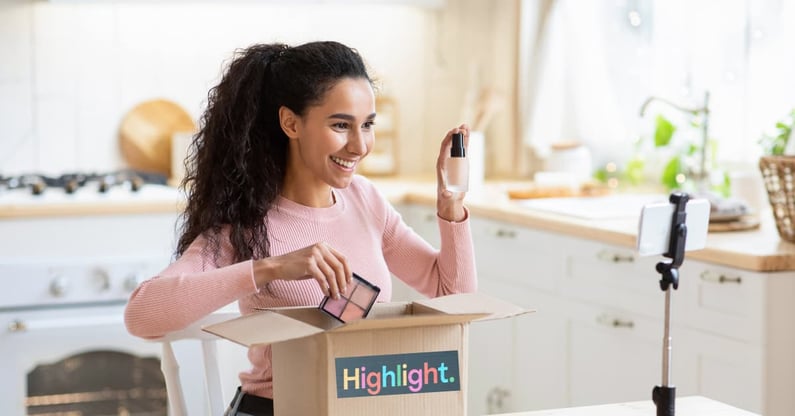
131, 282
17, 326
59, 286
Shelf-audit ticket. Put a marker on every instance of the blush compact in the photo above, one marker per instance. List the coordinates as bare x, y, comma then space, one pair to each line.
353, 305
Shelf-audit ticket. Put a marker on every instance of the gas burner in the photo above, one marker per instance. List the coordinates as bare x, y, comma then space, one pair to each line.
71, 182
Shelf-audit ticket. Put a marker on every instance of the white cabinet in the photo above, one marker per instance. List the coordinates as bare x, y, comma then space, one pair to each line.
614, 355
598, 331
492, 352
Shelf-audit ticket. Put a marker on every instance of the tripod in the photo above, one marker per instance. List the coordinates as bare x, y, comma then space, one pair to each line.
664, 396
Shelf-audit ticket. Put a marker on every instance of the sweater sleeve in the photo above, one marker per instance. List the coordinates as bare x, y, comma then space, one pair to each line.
186, 291
432, 272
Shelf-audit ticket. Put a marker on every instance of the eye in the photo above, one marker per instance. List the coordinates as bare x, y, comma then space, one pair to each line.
368, 124
341, 125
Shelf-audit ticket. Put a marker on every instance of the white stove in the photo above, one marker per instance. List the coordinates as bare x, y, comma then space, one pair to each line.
114, 188
69, 258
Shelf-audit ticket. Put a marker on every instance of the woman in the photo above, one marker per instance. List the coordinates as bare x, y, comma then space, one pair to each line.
275, 215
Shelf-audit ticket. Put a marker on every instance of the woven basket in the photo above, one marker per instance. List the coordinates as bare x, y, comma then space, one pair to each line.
779, 175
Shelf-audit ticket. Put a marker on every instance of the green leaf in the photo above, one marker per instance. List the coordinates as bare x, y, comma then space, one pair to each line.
634, 171
663, 132
601, 175
724, 188
671, 170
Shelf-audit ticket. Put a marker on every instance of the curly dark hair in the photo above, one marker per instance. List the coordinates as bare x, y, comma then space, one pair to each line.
237, 162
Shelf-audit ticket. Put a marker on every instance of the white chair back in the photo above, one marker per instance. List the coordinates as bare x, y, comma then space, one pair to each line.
212, 377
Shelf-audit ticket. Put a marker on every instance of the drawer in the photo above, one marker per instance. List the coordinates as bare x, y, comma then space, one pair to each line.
616, 276
519, 255
723, 301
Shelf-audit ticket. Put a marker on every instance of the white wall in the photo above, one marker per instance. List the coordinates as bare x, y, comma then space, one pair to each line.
70, 70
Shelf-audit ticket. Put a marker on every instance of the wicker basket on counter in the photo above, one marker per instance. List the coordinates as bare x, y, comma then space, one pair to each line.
779, 176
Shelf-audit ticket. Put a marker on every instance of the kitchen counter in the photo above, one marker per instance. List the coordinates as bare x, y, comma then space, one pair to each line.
685, 406
757, 250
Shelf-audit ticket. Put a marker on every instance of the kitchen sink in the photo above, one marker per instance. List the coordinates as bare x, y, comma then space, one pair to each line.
617, 206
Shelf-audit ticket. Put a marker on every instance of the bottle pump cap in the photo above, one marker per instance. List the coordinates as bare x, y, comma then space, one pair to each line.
457, 150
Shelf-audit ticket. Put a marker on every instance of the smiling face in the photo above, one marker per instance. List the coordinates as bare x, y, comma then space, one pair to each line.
328, 141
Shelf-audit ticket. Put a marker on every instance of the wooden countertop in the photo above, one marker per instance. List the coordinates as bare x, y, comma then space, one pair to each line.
685, 406
757, 250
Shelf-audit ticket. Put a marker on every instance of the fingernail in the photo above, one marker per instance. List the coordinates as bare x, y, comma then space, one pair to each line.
344, 289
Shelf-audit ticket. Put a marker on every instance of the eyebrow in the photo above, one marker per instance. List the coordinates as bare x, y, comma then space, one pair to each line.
349, 117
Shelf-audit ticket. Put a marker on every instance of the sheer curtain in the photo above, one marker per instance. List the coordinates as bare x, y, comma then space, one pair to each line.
567, 90
587, 66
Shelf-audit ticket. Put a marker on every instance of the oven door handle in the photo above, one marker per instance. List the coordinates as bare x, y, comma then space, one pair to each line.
21, 325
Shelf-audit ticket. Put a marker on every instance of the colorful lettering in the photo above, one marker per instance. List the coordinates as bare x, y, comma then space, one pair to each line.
426, 372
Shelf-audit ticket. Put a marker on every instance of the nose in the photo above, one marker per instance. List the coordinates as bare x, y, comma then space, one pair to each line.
357, 142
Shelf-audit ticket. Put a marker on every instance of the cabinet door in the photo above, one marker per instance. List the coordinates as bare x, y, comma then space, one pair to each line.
422, 220
540, 374
491, 359
727, 370
616, 356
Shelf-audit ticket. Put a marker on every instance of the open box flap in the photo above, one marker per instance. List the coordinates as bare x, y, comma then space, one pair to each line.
271, 326
473, 303
408, 321
282, 324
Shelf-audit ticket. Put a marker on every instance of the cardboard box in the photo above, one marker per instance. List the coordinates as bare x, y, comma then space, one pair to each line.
403, 359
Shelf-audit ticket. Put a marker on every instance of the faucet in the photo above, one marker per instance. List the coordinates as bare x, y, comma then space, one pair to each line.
702, 177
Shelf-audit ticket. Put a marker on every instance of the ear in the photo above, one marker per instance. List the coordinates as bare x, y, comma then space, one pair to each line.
288, 121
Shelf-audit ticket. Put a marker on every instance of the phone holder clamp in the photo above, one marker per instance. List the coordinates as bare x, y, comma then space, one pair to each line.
676, 242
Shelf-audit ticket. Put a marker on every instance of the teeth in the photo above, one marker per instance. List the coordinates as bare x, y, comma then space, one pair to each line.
342, 162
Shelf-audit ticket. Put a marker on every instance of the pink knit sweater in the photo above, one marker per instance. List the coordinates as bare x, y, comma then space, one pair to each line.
362, 225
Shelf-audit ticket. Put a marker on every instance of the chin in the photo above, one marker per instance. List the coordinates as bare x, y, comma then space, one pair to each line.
342, 183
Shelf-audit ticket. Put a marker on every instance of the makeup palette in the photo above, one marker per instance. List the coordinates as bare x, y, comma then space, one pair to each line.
355, 303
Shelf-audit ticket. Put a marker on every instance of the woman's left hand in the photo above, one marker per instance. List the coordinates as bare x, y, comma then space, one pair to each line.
449, 205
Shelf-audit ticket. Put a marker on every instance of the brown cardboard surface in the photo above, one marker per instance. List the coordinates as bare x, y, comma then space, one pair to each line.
314, 356
263, 327
303, 376
282, 324
472, 303
406, 321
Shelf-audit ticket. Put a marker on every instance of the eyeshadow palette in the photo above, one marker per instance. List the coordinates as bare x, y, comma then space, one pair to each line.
355, 303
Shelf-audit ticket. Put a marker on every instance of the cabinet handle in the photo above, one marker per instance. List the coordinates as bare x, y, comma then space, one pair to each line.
495, 399
504, 233
717, 277
615, 256
615, 322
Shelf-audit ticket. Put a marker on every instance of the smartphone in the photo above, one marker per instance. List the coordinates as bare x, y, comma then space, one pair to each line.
654, 228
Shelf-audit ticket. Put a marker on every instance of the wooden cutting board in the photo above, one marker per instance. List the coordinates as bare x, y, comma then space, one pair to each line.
145, 134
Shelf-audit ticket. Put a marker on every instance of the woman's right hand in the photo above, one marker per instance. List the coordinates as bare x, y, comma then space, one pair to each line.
319, 261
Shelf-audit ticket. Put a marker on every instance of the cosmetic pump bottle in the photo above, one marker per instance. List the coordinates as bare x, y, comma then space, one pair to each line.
457, 172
